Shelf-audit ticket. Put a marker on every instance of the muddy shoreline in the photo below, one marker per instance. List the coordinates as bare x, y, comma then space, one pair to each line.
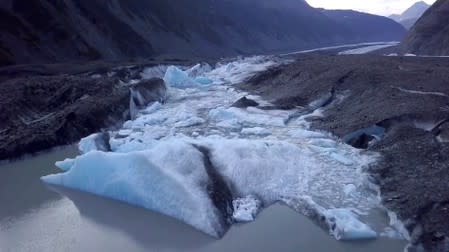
398, 106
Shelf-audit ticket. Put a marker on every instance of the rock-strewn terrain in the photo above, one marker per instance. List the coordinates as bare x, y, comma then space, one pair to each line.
365, 94
44, 109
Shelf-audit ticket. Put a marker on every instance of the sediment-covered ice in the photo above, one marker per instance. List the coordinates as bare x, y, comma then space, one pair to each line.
170, 156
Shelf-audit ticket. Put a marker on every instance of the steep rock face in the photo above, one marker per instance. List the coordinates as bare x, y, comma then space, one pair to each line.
430, 35
409, 17
34, 31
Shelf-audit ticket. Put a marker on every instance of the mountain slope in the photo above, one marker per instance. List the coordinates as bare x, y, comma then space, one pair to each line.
409, 17
62, 30
365, 26
430, 35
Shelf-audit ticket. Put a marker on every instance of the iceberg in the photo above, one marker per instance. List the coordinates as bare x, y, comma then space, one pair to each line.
170, 178
178, 78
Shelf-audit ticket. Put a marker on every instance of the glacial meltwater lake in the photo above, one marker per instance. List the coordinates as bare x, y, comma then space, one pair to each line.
35, 217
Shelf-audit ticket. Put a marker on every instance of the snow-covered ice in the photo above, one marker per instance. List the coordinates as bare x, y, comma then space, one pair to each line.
170, 156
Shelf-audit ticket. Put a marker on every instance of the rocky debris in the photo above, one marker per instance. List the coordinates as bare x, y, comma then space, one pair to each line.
147, 91
393, 105
245, 103
430, 35
40, 112
413, 176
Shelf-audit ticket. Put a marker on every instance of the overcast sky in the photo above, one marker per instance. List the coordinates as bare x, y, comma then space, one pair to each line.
380, 7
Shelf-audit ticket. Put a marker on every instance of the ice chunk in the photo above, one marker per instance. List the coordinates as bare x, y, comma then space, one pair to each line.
246, 209
98, 141
190, 122
198, 70
350, 189
203, 80
65, 165
175, 77
246, 116
153, 72
88, 144
346, 226
170, 178
152, 108
258, 131
341, 159
302, 133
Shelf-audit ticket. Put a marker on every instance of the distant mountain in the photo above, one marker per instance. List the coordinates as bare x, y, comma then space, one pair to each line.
409, 17
430, 35
34, 31
365, 26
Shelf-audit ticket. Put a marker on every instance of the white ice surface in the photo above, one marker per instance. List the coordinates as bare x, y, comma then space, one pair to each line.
169, 178
367, 49
340, 46
154, 163
88, 144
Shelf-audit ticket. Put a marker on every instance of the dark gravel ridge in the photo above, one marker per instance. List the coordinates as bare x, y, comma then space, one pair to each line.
408, 97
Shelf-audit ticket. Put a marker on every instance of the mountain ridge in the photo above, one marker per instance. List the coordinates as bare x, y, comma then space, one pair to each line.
430, 35
42, 31
409, 17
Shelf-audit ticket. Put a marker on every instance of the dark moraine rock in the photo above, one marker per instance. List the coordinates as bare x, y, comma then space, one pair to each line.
217, 188
42, 112
244, 103
397, 100
442, 132
148, 91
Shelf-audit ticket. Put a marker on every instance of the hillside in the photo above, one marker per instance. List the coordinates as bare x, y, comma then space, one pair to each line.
430, 35
409, 17
36, 31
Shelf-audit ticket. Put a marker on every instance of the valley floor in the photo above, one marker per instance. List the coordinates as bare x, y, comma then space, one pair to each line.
395, 106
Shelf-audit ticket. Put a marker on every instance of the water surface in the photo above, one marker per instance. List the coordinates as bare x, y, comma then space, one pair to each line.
35, 217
